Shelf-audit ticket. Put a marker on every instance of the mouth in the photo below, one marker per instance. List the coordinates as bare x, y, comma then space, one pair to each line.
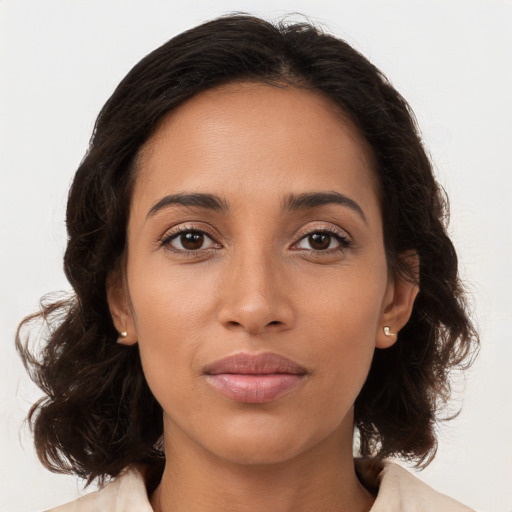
255, 378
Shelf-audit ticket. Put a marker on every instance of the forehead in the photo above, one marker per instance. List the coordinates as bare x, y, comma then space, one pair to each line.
254, 139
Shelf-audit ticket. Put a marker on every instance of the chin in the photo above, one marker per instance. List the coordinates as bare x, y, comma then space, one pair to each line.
263, 442
253, 453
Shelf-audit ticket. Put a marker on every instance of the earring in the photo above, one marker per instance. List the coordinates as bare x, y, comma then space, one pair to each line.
122, 336
388, 332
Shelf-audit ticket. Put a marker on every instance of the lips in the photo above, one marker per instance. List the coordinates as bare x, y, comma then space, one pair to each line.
255, 378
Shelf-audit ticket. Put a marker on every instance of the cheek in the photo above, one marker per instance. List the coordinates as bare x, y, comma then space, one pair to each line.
348, 303
168, 302
344, 319
172, 311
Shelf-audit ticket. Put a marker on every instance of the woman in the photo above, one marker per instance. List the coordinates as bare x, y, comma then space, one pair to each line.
261, 268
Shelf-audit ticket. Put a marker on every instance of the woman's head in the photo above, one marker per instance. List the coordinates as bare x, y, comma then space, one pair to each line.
255, 231
326, 109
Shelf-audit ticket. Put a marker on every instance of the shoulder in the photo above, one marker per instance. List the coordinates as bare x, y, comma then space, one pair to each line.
400, 490
125, 494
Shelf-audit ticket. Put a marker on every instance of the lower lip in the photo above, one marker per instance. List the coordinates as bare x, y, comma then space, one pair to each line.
255, 389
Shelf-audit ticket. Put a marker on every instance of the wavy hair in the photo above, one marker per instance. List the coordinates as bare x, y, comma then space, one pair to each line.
98, 414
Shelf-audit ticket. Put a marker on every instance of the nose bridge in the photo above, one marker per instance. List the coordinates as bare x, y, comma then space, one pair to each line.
253, 295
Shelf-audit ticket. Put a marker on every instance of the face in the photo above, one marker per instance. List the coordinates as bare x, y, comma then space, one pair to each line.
256, 282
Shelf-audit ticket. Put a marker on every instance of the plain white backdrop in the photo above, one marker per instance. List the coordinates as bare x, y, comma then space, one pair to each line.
451, 60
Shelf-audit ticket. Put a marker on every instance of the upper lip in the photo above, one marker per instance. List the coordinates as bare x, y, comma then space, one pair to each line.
255, 364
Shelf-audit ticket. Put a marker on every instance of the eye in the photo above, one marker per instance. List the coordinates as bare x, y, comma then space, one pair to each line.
188, 240
324, 240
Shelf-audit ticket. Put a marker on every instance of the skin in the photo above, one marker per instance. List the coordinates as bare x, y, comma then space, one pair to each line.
258, 283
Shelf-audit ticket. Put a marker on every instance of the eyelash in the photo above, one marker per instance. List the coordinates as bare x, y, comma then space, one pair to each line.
344, 241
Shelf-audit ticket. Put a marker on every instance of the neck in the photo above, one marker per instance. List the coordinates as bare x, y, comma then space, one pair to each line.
321, 479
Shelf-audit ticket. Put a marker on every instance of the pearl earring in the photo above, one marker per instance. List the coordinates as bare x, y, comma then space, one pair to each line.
388, 332
122, 336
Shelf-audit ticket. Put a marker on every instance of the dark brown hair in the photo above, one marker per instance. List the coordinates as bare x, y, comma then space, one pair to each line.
98, 414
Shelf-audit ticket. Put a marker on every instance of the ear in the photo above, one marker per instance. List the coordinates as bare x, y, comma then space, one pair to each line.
398, 302
119, 306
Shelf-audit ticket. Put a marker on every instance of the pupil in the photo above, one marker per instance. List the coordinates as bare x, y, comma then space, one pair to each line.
320, 240
192, 241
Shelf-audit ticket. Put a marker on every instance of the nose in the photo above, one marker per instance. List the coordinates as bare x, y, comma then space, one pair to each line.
255, 294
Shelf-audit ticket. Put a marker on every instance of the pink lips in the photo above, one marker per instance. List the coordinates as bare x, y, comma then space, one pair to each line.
254, 378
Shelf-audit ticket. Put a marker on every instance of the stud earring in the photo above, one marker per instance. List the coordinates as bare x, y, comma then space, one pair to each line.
122, 336
388, 332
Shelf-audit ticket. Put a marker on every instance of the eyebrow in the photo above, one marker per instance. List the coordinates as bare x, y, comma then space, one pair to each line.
202, 200
309, 200
292, 202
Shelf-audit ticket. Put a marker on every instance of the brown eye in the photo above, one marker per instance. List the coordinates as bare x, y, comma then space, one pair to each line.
319, 241
188, 241
191, 241
323, 241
